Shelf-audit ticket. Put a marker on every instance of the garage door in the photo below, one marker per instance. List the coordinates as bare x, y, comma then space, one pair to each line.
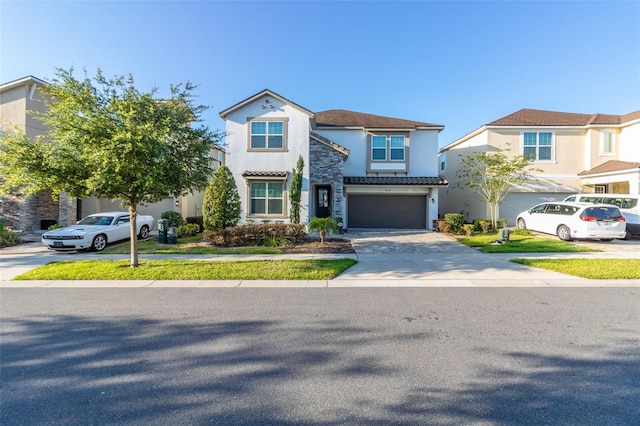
387, 211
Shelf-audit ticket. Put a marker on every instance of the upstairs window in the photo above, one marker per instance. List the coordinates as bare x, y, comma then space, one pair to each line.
267, 135
387, 147
379, 148
397, 148
538, 146
607, 142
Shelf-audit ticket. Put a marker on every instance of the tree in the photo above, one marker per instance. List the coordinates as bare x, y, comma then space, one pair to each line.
295, 190
221, 205
323, 225
109, 140
492, 175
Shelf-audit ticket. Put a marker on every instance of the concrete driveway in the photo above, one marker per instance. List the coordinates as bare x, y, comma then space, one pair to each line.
405, 257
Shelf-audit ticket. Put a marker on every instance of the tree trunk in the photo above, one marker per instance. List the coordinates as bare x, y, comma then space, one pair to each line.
133, 219
322, 232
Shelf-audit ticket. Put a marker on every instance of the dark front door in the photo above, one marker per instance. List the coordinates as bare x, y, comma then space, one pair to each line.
323, 201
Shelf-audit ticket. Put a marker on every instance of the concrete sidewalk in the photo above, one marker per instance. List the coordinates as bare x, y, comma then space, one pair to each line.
386, 258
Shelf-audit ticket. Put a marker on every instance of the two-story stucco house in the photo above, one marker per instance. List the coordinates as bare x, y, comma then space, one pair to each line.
572, 152
35, 213
370, 171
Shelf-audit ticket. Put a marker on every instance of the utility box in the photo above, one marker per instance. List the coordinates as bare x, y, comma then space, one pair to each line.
504, 234
163, 229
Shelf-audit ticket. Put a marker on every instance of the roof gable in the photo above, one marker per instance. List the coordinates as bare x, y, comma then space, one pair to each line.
22, 81
343, 118
266, 92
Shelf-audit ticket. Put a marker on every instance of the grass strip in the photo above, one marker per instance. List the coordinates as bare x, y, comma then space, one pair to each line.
521, 244
171, 269
594, 269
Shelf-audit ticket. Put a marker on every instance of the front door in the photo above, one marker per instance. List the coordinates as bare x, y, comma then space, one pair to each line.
323, 201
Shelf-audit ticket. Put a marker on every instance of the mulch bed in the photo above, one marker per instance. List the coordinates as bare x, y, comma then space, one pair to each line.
312, 245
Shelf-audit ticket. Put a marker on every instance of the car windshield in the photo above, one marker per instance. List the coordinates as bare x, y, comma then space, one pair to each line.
96, 220
602, 213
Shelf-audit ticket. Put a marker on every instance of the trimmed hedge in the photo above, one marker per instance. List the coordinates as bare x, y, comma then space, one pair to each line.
255, 235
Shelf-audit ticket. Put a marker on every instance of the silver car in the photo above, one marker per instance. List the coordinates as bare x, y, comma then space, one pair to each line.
575, 220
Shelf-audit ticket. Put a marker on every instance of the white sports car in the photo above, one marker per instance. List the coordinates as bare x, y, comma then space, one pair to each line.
95, 231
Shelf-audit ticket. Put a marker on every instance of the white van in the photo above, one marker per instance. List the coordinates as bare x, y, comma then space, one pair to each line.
627, 203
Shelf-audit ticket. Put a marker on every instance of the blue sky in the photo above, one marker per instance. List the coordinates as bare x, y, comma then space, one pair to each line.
459, 64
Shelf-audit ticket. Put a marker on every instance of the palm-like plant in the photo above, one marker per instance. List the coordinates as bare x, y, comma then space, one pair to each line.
323, 225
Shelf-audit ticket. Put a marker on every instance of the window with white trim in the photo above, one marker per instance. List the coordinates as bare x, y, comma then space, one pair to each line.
538, 146
266, 198
267, 135
385, 147
607, 142
443, 161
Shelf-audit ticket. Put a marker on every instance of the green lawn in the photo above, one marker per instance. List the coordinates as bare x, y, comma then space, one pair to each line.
595, 269
187, 245
190, 270
520, 244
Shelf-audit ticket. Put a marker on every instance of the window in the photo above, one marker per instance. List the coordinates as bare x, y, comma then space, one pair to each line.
443, 161
267, 198
538, 146
392, 145
267, 135
600, 189
397, 148
379, 148
607, 142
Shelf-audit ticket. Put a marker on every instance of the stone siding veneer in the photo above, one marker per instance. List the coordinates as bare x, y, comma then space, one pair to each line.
326, 167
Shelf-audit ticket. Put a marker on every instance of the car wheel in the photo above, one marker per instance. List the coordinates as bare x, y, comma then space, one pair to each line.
521, 223
606, 240
99, 242
144, 232
564, 233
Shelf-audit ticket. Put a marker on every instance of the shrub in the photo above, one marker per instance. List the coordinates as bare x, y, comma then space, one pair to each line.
188, 230
175, 218
55, 226
443, 226
198, 220
456, 221
483, 225
254, 235
221, 204
323, 225
468, 229
8, 237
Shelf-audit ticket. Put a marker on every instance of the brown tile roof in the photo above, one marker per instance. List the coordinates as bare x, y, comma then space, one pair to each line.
345, 118
611, 166
536, 117
247, 173
395, 180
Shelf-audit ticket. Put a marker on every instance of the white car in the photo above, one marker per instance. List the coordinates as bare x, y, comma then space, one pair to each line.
95, 231
575, 220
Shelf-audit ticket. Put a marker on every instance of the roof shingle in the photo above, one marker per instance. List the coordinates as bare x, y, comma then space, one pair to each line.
395, 180
611, 166
345, 118
536, 117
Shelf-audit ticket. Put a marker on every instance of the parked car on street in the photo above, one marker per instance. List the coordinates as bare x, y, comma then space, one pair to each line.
575, 220
95, 231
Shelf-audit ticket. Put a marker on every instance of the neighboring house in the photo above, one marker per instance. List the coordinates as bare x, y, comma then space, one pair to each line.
40, 211
573, 152
370, 171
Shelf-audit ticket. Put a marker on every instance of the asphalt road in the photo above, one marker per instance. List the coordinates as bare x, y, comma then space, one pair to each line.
441, 356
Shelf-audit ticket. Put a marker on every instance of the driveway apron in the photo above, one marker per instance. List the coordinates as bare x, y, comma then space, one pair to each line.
389, 254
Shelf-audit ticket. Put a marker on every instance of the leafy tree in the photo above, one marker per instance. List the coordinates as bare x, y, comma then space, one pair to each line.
109, 140
492, 175
175, 219
221, 205
323, 225
295, 191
